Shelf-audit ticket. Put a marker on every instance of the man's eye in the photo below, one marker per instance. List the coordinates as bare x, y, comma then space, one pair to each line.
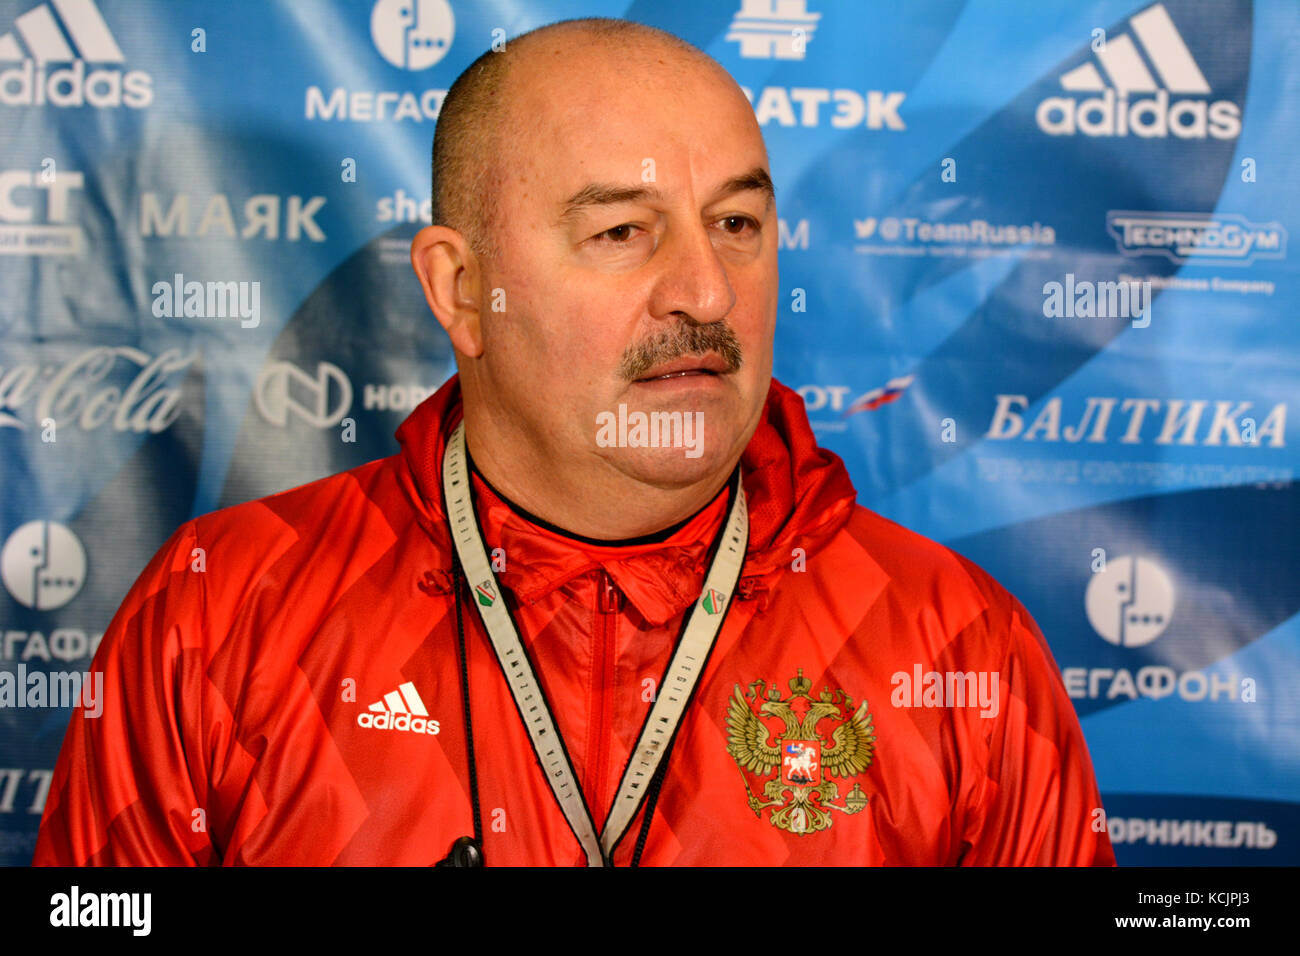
618, 235
743, 223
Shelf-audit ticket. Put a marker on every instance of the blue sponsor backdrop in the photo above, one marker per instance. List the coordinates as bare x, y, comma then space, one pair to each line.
1039, 298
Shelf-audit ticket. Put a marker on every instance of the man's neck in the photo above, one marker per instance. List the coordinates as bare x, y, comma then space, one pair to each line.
598, 503
654, 538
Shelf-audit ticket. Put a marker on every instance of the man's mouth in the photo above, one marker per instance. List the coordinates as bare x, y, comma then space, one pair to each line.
710, 365
660, 378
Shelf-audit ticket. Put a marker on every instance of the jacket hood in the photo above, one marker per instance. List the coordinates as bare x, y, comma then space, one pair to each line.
799, 495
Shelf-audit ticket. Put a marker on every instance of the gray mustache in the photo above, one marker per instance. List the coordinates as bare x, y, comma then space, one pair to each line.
687, 338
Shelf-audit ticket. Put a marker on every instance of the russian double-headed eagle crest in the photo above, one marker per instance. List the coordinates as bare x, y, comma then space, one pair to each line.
803, 762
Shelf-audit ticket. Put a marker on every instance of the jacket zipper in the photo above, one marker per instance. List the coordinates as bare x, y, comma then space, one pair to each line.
609, 600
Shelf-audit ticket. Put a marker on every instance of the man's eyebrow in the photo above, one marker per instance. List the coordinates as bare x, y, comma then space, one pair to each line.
594, 195
605, 194
757, 178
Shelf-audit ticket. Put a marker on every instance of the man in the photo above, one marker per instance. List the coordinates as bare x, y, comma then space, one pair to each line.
550, 631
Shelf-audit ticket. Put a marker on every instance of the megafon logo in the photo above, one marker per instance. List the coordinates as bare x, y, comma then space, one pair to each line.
409, 34
1130, 602
43, 565
412, 34
1118, 111
84, 38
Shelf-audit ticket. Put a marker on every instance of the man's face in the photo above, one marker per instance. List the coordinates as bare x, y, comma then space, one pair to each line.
633, 233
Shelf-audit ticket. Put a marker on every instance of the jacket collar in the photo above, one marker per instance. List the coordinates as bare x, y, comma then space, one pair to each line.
798, 495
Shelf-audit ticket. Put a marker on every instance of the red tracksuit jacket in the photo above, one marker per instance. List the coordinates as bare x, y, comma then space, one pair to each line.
267, 708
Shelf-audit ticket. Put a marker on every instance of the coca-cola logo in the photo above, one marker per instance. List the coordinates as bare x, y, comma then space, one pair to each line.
80, 391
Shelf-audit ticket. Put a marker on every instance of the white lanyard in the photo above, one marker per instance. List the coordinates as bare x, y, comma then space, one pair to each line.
693, 648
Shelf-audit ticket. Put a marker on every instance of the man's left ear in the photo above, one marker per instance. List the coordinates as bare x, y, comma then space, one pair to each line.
450, 274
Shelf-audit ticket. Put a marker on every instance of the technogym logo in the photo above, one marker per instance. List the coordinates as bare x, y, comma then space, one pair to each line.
76, 36
1132, 101
1196, 237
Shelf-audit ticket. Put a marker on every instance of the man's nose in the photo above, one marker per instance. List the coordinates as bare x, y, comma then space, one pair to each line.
692, 278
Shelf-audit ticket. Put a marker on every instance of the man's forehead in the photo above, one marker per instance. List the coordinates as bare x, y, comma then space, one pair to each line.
591, 122
585, 122
596, 194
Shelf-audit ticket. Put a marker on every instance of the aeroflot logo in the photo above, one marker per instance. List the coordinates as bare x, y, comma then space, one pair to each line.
1132, 101
52, 43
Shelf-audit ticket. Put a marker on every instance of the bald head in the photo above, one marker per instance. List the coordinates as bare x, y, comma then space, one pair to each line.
480, 120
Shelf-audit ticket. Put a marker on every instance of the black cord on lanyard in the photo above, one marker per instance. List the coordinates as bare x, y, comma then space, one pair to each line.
465, 851
651, 802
